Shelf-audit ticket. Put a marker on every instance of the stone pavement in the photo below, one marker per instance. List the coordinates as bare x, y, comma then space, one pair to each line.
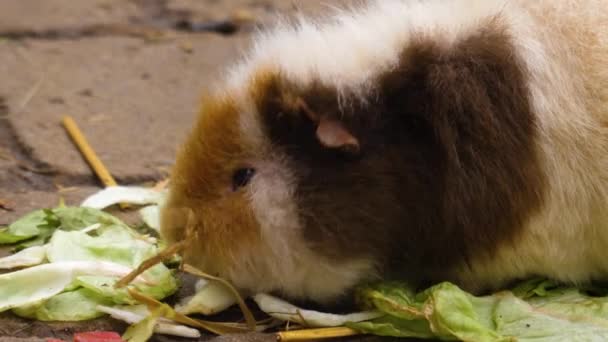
130, 72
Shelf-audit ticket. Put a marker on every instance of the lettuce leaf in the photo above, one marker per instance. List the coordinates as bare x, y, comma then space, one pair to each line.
26, 227
88, 251
210, 298
38, 283
151, 216
27, 257
104, 286
285, 311
123, 194
37, 227
541, 311
110, 243
118, 245
143, 330
78, 305
133, 314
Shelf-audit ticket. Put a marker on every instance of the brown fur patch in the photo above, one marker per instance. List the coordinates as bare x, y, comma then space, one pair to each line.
448, 169
202, 181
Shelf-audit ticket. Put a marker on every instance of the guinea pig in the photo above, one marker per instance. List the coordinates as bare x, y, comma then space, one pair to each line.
423, 141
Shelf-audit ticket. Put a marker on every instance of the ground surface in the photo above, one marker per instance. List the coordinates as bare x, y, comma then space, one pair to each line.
130, 73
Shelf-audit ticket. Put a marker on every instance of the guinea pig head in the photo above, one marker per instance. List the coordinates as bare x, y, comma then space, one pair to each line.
271, 180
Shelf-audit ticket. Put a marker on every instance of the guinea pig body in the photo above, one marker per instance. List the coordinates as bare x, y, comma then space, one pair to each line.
426, 141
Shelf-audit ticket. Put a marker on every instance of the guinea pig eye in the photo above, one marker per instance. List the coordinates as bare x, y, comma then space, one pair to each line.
241, 177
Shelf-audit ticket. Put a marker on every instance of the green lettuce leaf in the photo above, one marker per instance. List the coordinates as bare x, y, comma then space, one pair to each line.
38, 226
78, 305
119, 245
24, 228
109, 243
27, 257
143, 330
84, 265
281, 309
104, 286
541, 311
151, 216
124, 194
34, 284
133, 314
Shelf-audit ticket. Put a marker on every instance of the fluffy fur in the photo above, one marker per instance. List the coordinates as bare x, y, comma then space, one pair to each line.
523, 115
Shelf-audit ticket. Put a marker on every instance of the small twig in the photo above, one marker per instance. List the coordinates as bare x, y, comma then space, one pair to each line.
146, 264
304, 323
249, 319
163, 255
220, 328
315, 334
89, 154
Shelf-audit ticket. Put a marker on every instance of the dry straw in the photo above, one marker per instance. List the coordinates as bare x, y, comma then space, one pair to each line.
89, 154
315, 334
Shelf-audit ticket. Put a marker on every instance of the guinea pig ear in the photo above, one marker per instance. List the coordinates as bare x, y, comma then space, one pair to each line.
331, 133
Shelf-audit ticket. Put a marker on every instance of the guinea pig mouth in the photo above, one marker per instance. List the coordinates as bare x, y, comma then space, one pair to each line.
179, 225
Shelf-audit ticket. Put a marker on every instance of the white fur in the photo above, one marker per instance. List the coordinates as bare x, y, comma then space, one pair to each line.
568, 81
347, 50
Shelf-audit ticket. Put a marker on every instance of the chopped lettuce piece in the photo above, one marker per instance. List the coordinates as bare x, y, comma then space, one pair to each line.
395, 327
104, 286
282, 310
76, 218
123, 194
143, 330
119, 245
28, 257
88, 251
77, 305
584, 319
534, 287
167, 312
40, 224
133, 314
444, 311
25, 228
38, 283
151, 216
211, 297
127, 313
111, 243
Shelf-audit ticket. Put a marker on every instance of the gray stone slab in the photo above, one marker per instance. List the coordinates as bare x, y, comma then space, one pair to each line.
258, 11
133, 99
42, 15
